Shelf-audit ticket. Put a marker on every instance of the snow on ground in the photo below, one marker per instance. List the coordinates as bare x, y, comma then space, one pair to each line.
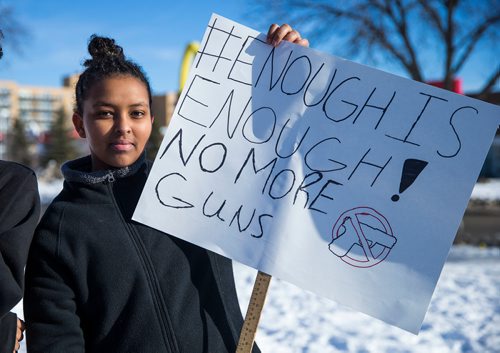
49, 190
463, 317
489, 190
464, 314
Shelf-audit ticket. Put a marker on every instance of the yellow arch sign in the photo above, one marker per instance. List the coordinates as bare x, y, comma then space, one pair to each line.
187, 60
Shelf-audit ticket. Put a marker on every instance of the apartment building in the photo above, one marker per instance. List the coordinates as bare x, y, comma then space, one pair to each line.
38, 106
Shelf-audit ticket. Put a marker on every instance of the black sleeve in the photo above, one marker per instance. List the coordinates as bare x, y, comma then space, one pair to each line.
50, 309
19, 213
8, 326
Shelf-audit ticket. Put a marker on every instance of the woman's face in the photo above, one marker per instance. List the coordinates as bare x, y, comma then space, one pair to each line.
116, 120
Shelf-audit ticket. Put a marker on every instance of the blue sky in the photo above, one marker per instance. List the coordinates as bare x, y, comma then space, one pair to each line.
153, 33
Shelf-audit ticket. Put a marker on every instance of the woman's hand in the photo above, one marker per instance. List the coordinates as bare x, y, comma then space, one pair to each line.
276, 34
19, 335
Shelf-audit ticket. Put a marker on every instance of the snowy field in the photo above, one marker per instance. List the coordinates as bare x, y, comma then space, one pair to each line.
463, 317
487, 191
464, 314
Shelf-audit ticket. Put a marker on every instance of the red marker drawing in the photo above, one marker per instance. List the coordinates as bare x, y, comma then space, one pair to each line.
362, 237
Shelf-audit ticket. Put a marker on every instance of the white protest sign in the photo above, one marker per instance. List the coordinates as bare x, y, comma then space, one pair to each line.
342, 179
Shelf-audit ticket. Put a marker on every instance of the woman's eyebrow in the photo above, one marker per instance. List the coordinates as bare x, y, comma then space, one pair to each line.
140, 104
102, 103
108, 104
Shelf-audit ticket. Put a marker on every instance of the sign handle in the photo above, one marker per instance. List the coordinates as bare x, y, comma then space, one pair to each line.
254, 310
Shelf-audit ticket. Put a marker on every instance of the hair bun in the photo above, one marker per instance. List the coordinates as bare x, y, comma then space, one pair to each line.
103, 49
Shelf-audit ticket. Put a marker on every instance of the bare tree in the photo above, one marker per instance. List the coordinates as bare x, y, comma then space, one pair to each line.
418, 35
1, 42
12, 32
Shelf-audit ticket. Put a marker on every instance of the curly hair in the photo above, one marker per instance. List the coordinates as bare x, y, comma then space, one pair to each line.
108, 60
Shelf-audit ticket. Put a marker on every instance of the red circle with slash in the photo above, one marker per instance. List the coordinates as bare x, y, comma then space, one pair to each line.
362, 237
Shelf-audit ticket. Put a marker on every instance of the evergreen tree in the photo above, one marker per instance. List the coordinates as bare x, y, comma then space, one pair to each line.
19, 146
59, 145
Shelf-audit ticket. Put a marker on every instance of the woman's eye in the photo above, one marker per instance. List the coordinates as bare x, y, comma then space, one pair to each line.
105, 114
138, 114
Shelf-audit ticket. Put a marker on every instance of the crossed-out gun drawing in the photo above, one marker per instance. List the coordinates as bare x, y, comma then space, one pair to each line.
361, 244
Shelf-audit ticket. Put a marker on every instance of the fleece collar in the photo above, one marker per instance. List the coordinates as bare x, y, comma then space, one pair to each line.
79, 170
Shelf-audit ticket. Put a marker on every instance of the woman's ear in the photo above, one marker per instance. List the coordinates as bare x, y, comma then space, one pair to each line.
78, 124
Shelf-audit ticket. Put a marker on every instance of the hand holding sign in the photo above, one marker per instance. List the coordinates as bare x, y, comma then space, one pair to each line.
292, 162
284, 32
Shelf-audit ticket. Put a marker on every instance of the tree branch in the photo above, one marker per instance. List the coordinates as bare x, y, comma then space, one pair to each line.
470, 40
433, 16
402, 26
488, 87
373, 34
387, 27
448, 42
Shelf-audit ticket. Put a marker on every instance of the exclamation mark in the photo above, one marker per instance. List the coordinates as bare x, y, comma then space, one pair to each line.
411, 170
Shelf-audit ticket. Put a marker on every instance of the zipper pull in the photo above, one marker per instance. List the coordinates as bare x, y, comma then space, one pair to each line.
111, 177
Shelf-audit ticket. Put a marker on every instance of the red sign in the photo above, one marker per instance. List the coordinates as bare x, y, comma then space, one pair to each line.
456, 85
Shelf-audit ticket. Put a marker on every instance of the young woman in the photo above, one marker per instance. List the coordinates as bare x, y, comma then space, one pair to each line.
98, 282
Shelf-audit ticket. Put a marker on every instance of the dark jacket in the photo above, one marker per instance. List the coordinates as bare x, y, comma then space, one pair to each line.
19, 213
99, 282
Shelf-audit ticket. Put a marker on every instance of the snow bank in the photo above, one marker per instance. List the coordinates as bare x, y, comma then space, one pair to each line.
49, 190
462, 317
488, 190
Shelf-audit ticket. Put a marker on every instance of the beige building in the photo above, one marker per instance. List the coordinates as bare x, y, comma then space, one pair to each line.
163, 107
38, 106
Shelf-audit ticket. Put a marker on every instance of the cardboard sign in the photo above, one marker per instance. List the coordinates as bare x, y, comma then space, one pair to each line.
344, 180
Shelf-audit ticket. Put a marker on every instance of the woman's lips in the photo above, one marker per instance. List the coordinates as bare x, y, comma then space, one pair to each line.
122, 146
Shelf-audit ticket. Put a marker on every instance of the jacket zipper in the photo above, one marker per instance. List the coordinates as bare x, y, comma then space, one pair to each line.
165, 323
111, 178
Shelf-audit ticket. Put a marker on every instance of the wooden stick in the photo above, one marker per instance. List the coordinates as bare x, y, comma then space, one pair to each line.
255, 306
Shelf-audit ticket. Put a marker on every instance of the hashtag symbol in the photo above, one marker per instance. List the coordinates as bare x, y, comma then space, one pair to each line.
214, 52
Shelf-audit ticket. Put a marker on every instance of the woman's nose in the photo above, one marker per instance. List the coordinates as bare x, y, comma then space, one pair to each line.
122, 124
